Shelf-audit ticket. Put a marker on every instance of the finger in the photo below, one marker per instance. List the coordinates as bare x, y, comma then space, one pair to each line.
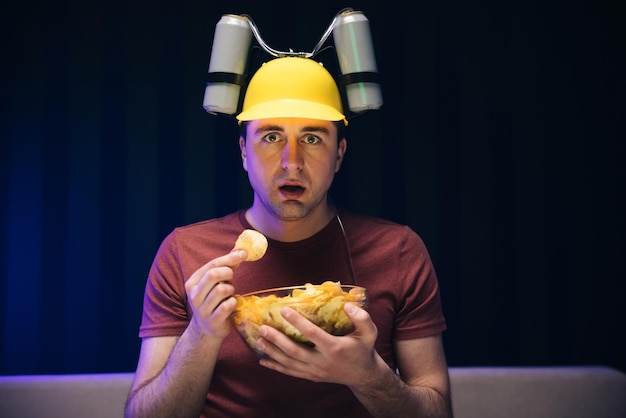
206, 278
285, 367
309, 330
232, 260
225, 308
213, 319
279, 347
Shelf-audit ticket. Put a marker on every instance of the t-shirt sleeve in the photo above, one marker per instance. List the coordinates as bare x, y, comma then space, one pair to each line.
165, 300
420, 314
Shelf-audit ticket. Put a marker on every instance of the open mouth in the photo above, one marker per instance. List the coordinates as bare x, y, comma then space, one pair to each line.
291, 189
291, 192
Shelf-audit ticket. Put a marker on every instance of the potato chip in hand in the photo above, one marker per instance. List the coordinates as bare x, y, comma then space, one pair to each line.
253, 242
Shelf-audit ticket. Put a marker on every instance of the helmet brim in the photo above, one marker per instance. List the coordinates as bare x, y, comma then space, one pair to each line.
290, 108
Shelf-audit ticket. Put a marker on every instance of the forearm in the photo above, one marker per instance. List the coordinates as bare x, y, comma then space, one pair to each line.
386, 395
180, 389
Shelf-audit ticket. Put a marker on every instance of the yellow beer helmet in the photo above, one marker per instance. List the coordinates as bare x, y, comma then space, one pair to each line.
292, 87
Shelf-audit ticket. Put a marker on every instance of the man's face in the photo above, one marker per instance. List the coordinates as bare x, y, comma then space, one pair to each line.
291, 163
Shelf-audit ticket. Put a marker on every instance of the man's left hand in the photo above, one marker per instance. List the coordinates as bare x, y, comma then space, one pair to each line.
335, 359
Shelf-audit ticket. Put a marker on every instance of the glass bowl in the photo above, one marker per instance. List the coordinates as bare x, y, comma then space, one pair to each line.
321, 304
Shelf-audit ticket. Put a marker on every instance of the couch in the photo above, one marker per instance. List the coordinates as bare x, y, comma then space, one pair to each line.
477, 392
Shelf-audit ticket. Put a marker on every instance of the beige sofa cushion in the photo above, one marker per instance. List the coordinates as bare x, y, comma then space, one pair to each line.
538, 392
480, 392
64, 396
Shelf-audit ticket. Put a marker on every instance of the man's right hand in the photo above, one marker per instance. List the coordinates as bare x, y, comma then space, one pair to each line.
210, 294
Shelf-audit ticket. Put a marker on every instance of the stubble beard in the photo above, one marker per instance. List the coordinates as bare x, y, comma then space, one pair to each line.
289, 211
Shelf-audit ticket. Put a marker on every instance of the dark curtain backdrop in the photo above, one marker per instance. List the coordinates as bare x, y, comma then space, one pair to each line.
501, 142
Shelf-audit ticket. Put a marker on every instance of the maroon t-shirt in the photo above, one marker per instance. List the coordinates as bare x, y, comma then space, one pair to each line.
388, 259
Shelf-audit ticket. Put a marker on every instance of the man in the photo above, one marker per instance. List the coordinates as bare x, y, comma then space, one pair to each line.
192, 363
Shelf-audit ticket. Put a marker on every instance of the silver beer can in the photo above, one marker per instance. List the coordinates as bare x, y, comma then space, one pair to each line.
229, 56
357, 63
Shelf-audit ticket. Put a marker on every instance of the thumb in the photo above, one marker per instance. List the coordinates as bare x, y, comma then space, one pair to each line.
360, 318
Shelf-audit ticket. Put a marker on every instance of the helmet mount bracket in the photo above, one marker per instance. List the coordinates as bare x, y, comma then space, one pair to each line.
234, 58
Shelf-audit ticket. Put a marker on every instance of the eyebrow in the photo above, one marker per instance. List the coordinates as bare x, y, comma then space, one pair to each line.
266, 128
313, 128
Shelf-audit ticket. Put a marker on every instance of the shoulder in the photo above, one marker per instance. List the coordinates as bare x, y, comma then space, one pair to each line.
355, 218
216, 233
188, 247
371, 227
225, 225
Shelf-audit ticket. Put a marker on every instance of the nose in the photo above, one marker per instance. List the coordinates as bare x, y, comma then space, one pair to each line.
292, 155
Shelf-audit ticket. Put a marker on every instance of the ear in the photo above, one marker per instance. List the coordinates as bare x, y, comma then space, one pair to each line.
242, 148
341, 151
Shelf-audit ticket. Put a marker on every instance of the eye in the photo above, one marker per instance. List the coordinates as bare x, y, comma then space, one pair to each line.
311, 139
271, 138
